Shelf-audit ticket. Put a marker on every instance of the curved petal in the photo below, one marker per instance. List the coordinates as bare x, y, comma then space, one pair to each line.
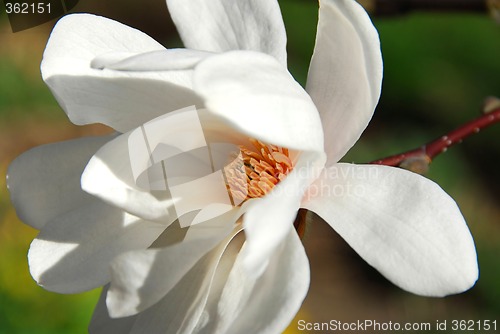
109, 176
269, 220
101, 323
281, 289
181, 308
141, 278
120, 99
345, 74
401, 223
260, 98
224, 25
266, 304
45, 181
162, 60
164, 170
185, 302
73, 252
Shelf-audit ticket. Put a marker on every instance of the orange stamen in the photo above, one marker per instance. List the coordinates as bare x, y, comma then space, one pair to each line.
257, 170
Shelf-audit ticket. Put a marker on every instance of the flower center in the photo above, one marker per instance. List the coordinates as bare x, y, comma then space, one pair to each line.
257, 170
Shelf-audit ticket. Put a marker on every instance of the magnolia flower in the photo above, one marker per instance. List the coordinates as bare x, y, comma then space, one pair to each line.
142, 212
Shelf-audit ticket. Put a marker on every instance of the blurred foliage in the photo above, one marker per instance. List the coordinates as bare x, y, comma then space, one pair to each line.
437, 71
19, 91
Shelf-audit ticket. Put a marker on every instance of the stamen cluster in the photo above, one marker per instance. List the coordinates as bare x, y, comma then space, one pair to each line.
256, 171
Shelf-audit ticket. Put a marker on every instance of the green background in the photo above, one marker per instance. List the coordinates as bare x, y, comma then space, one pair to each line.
438, 68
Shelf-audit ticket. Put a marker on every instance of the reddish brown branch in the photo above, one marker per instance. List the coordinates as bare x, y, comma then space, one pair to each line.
425, 154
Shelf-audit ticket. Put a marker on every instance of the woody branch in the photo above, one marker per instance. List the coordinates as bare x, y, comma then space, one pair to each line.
419, 158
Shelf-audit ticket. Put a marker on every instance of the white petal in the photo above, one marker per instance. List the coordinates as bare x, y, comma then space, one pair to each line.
120, 99
162, 60
401, 223
254, 93
45, 181
101, 323
140, 279
73, 252
267, 304
345, 74
180, 310
224, 25
208, 319
161, 171
109, 176
269, 220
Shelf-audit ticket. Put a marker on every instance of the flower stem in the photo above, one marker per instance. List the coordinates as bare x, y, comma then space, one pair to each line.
418, 159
